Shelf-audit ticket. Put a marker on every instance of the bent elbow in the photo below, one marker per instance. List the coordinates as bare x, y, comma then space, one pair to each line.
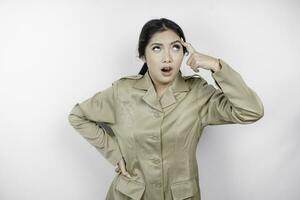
247, 116
257, 114
260, 113
72, 119
258, 109
75, 116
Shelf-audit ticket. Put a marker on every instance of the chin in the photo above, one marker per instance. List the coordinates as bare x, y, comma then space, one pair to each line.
168, 79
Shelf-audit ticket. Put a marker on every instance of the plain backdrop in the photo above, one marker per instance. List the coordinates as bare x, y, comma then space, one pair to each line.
54, 54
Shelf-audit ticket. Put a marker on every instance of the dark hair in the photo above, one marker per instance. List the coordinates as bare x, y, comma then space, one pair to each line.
149, 29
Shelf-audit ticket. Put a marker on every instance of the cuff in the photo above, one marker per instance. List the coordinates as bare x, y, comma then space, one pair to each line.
225, 74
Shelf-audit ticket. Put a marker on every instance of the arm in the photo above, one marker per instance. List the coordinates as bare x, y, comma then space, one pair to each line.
232, 102
91, 118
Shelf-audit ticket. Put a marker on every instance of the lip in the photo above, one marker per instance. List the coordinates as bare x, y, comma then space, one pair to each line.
167, 66
169, 73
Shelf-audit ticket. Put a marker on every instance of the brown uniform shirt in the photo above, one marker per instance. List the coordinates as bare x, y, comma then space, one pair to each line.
158, 137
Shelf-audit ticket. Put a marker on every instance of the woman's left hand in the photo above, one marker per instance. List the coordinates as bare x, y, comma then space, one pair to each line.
197, 59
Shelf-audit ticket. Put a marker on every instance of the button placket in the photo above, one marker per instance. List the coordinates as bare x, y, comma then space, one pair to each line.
155, 137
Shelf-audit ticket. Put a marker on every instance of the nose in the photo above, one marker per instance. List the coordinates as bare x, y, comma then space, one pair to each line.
167, 57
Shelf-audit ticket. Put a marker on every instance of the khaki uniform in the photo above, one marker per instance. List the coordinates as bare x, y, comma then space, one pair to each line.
158, 137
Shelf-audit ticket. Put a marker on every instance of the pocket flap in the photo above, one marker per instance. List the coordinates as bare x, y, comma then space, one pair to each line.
131, 188
184, 189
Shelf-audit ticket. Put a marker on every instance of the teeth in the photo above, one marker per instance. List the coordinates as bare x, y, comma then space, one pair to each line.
166, 69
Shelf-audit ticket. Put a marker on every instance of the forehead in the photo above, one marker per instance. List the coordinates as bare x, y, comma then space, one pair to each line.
164, 37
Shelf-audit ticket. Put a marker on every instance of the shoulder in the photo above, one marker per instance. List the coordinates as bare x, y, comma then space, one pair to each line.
195, 79
198, 83
128, 78
126, 83
136, 76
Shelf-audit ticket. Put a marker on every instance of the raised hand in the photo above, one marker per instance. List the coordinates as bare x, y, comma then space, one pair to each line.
197, 59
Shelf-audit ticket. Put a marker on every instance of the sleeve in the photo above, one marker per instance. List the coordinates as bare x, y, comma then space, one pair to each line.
92, 117
232, 102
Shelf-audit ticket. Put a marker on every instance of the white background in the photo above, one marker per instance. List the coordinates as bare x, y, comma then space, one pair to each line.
56, 53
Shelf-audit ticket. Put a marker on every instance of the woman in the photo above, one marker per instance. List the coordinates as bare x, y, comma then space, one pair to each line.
149, 124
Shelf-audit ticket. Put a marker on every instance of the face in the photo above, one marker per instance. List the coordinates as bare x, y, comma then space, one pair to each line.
164, 55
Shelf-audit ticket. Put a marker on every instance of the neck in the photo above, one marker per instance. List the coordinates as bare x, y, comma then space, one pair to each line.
160, 88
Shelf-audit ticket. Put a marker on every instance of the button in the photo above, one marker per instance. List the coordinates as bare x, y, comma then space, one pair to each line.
157, 184
154, 137
156, 161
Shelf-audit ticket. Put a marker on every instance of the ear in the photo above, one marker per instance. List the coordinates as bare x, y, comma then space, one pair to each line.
144, 59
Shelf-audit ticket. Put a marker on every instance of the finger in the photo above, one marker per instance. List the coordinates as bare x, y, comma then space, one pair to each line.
117, 169
191, 48
193, 65
183, 42
122, 165
188, 46
192, 62
197, 65
123, 169
127, 174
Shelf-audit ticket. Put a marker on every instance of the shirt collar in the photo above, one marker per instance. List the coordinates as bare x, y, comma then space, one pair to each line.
178, 85
168, 98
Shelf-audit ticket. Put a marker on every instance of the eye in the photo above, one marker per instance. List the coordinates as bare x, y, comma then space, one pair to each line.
155, 48
177, 46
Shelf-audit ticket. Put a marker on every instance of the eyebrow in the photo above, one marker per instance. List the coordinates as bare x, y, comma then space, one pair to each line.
161, 43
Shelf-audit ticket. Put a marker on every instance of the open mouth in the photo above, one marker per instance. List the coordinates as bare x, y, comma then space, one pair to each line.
166, 69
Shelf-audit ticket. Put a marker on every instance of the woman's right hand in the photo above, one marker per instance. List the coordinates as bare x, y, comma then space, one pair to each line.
199, 60
121, 168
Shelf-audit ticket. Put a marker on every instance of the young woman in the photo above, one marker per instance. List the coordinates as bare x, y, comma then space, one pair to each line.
148, 125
